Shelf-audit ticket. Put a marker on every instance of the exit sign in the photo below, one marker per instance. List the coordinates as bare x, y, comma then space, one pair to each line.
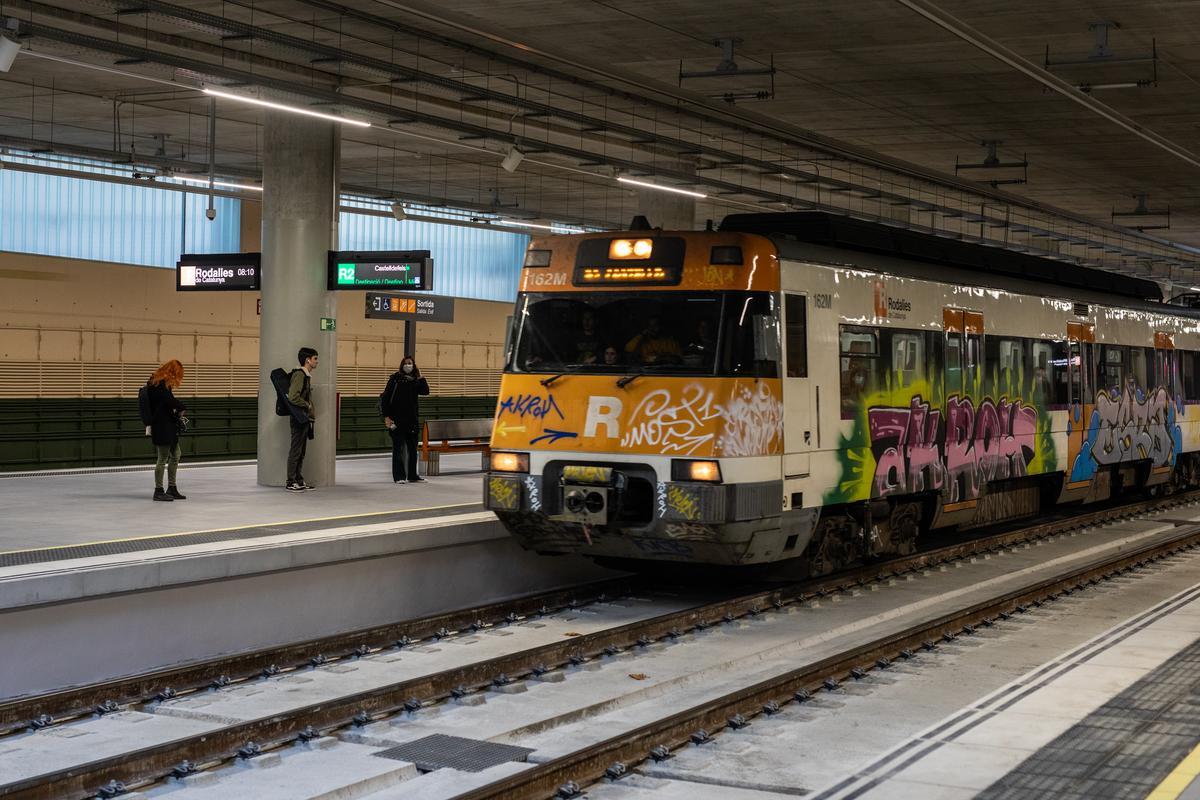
328, 324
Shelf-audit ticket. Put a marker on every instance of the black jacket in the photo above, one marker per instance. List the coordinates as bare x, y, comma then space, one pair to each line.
164, 415
399, 399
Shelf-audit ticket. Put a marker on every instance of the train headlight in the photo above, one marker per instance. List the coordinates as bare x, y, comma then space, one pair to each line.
510, 462
687, 470
630, 248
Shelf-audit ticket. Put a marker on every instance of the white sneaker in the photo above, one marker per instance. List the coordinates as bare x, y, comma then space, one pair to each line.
402, 481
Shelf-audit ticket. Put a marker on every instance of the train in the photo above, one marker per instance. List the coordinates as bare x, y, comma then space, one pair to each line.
813, 391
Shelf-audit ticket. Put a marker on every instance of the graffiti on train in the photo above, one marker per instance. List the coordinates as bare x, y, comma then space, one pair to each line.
1130, 425
917, 450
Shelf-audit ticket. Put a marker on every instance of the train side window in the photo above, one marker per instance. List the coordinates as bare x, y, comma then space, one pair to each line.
954, 364
908, 357
1042, 380
1111, 369
859, 355
795, 312
1138, 362
973, 362
1187, 371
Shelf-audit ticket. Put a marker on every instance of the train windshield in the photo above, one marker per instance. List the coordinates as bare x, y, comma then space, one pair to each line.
670, 333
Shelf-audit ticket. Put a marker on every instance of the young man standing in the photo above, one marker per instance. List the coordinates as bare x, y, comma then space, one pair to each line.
300, 396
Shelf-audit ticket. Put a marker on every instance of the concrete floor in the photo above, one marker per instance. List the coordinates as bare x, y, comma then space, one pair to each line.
54, 510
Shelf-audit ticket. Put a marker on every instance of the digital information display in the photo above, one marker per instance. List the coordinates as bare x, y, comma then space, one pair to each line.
381, 269
422, 308
221, 272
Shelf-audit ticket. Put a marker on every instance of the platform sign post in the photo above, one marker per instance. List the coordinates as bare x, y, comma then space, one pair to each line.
409, 270
218, 272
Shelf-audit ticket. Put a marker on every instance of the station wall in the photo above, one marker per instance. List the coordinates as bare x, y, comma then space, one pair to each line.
80, 337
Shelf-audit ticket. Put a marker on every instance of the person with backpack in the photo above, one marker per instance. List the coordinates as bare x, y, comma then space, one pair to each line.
399, 406
164, 412
299, 397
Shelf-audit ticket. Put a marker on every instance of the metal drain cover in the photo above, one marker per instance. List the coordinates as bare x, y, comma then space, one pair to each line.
455, 752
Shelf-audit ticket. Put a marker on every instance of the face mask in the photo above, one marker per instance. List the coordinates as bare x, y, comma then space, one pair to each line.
407, 368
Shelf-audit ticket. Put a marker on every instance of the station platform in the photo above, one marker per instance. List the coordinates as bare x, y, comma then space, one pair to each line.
97, 580
1116, 717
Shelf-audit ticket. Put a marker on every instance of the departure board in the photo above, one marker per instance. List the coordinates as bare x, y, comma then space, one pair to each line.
218, 272
411, 270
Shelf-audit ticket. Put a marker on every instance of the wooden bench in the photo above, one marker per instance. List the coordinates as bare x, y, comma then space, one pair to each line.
454, 436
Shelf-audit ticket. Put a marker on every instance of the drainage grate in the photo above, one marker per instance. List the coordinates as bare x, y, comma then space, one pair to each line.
454, 752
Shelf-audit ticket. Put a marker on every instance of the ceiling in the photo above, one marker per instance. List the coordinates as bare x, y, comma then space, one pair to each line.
871, 105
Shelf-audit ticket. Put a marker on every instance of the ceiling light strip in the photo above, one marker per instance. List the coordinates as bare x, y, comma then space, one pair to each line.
223, 184
254, 101
660, 187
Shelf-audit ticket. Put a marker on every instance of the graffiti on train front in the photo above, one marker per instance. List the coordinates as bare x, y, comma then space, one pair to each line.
1129, 425
916, 450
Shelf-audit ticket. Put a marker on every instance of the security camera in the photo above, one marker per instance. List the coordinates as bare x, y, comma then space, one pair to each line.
211, 213
398, 211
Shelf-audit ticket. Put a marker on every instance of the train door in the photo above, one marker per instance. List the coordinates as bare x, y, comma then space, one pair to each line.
1081, 467
800, 429
962, 383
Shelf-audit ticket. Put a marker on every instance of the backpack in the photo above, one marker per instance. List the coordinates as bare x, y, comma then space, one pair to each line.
385, 399
144, 405
281, 379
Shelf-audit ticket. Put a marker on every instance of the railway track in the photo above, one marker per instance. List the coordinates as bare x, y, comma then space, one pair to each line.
147, 764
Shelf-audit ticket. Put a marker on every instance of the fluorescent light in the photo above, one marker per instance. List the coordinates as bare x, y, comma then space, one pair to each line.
520, 224
661, 188
222, 184
281, 107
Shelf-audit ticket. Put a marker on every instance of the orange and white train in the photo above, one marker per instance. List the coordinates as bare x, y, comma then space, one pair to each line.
818, 390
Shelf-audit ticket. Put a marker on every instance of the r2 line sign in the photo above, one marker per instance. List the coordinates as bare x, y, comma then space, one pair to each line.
415, 307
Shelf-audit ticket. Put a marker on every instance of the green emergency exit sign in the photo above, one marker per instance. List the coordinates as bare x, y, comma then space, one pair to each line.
328, 324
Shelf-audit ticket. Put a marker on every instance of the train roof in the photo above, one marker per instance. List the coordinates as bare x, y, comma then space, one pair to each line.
847, 233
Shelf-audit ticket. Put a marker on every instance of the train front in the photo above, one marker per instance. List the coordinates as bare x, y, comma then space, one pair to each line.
640, 414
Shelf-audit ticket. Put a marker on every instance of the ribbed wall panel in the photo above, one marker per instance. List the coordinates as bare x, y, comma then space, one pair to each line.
469, 262
77, 218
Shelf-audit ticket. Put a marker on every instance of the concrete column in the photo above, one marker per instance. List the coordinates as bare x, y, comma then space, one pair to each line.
299, 227
672, 212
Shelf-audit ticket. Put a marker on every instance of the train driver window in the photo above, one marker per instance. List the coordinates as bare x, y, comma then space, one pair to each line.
859, 351
908, 357
795, 316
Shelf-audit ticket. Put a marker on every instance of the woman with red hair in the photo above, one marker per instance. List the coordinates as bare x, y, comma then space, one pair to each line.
166, 415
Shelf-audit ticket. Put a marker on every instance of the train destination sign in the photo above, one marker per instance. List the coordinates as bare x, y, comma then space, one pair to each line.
381, 269
422, 308
219, 272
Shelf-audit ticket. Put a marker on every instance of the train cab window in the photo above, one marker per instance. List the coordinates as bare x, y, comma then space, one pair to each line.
796, 334
859, 353
908, 357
